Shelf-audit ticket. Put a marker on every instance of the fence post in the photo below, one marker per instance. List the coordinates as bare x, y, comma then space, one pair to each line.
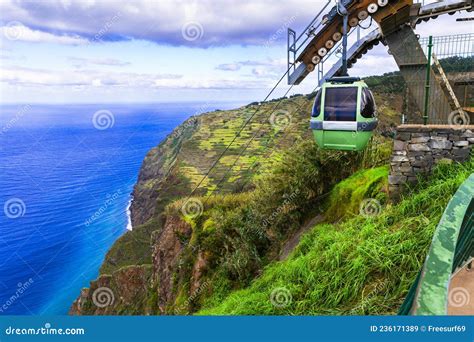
427, 84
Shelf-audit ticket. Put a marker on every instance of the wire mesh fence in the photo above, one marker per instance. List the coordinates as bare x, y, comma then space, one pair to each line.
446, 89
461, 45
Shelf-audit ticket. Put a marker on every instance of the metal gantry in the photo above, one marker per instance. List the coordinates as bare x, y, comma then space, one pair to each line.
396, 23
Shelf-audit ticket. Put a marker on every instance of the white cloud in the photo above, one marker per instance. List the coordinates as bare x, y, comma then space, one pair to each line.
261, 68
229, 67
227, 22
83, 62
15, 76
223, 22
17, 31
42, 77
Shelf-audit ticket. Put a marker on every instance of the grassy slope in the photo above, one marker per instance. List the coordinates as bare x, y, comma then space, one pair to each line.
198, 150
293, 165
240, 233
346, 196
364, 265
195, 151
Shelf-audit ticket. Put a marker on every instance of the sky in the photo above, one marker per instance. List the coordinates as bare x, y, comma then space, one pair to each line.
89, 51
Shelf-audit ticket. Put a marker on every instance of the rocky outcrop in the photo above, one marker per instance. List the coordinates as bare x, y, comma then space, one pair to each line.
125, 292
167, 247
417, 148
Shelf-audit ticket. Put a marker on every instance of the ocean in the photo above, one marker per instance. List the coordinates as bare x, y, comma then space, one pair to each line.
66, 174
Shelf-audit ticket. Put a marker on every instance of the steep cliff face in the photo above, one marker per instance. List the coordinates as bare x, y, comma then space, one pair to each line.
167, 249
126, 291
156, 167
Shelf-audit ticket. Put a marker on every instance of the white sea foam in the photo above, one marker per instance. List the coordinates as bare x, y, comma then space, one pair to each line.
129, 215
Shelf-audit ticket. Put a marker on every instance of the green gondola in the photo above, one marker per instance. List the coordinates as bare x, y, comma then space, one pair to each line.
344, 114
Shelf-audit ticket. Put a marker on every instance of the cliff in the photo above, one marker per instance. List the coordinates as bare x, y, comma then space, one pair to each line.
170, 262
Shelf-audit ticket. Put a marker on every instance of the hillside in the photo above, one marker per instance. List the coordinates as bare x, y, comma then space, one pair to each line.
175, 167
270, 188
360, 266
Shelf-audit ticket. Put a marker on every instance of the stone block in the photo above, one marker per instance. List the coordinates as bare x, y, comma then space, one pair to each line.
419, 135
396, 179
399, 145
461, 143
419, 140
454, 137
442, 144
418, 147
403, 136
400, 159
405, 169
460, 154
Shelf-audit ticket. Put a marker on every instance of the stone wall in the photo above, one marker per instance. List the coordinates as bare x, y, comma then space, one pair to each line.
418, 148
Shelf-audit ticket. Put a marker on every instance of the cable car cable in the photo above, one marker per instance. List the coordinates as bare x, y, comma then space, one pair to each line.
238, 133
245, 148
264, 150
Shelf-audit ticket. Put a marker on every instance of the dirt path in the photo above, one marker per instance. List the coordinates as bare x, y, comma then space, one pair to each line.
293, 241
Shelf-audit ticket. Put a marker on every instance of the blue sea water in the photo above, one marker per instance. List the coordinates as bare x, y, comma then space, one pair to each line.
66, 174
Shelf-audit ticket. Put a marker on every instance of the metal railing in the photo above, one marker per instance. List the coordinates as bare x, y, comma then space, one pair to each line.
434, 112
296, 43
461, 45
452, 247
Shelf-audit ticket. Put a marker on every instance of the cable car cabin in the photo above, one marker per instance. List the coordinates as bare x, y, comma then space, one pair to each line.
344, 114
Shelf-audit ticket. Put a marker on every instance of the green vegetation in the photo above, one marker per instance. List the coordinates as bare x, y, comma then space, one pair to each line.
224, 261
238, 234
192, 149
393, 82
458, 64
390, 82
364, 265
188, 153
347, 196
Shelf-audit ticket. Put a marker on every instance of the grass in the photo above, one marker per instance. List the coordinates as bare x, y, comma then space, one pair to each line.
362, 266
347, 196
